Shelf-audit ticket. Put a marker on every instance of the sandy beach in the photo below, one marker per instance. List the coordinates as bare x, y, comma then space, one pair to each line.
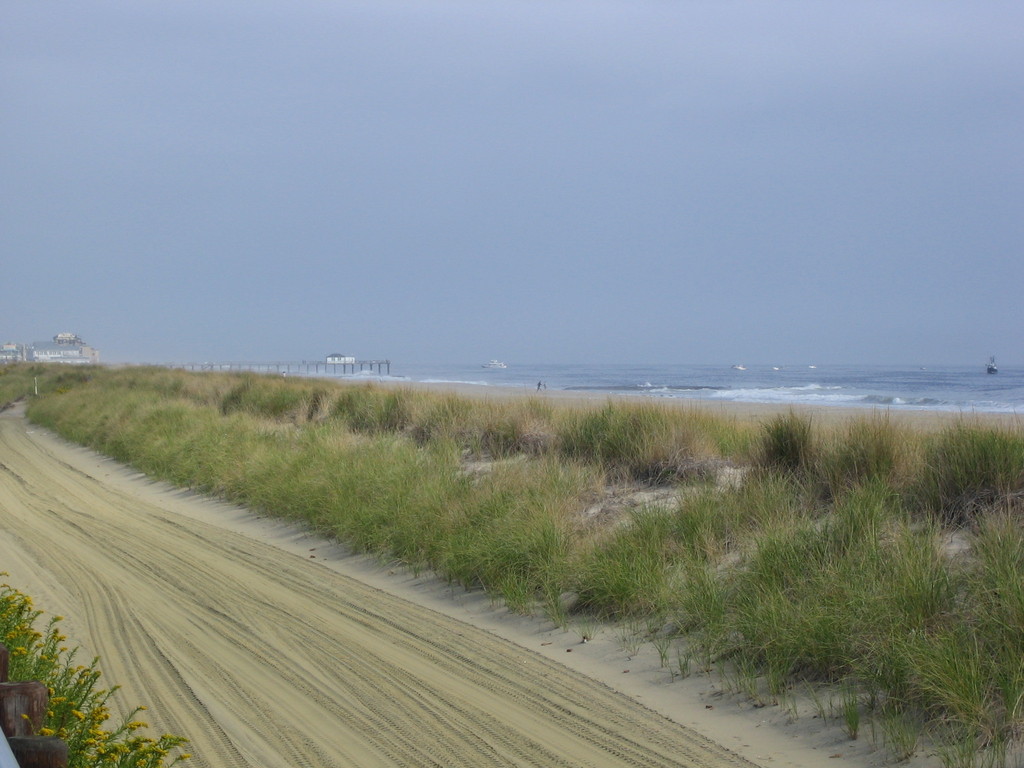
267, 646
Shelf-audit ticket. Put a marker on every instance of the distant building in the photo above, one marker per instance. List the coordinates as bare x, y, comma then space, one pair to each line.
338, 358
67, 348
12, 353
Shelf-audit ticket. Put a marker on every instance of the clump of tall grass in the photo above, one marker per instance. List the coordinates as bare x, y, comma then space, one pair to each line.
373, 410
971, 673
628, 573
867, 450
783, 615
495, 429
263, 396
446, 417
512, 532
520, 427
787, 444
822, 599
642, 442
970, 469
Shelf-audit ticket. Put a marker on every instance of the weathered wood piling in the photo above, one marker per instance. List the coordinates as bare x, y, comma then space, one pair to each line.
22, 712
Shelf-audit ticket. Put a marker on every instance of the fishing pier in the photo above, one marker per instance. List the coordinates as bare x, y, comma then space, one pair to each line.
348, 365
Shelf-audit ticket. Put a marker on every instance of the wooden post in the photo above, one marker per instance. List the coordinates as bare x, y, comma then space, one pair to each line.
16, 699
5, 661
39, 751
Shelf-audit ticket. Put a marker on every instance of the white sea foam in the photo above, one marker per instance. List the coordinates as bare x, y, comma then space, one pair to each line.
830, 395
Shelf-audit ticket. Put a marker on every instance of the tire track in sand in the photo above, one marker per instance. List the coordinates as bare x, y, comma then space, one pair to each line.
264, 659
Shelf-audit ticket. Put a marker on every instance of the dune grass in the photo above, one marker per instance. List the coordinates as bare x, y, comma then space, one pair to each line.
969, 469
645, 443
826, 560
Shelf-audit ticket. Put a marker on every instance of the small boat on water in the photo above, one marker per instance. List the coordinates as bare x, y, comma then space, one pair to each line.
494, 364
739, 367
991, 367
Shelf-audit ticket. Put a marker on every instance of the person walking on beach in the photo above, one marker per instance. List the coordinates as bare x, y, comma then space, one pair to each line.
538, 386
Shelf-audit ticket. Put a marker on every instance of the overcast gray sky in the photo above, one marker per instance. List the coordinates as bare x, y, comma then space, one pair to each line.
678, 181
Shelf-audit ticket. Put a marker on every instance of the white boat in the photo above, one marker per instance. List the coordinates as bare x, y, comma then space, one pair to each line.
991, 367
494, 364
739, 367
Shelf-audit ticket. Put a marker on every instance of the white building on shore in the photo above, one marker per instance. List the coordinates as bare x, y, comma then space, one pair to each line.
12, 352
66, 348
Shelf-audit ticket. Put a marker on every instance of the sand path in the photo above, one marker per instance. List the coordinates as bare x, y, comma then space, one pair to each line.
265, 657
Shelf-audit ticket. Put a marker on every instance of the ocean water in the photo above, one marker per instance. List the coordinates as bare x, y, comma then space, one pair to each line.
939, 388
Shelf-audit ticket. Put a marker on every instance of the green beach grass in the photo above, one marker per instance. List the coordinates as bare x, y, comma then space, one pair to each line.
784, 554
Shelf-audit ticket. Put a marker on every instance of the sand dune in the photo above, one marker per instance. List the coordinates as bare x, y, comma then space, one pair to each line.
269, 647
263, 656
